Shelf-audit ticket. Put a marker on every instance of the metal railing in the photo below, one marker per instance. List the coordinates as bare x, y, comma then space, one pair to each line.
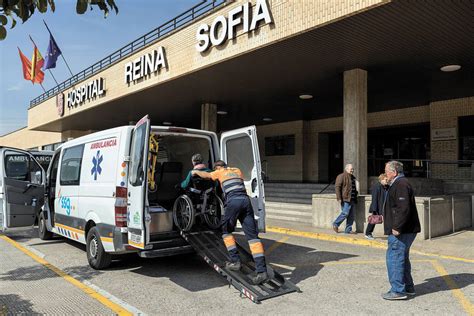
151, 37
425, 168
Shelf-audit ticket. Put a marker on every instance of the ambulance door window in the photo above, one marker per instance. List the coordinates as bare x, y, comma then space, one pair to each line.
240, 155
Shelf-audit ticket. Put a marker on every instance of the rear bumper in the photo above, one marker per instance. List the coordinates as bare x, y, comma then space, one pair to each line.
165, 252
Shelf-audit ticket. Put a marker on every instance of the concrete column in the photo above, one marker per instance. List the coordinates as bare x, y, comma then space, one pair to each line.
209, 117
355, 124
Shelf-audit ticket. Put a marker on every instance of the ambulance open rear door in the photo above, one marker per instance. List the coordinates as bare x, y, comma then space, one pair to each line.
137, 184
239, 148
21, 188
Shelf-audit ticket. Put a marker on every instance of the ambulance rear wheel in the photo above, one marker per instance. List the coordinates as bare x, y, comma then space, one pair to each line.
96, 255
214, 212
183, 213
43, 231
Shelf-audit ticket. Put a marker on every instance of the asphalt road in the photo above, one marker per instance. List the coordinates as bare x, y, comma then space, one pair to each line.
335, 278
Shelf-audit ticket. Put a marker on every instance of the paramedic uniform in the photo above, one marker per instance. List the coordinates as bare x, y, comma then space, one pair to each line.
238, 207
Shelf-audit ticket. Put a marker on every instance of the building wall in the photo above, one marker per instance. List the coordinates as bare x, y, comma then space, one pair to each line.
445, 114
278, 168
290, 18
306, 167
24, 139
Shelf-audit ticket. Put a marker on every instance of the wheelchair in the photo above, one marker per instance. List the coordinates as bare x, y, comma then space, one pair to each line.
199, 200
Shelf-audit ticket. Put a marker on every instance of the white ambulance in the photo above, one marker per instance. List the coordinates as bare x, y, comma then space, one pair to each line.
98, 186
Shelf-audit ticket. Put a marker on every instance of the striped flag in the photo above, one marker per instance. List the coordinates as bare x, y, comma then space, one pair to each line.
37, 62
26, 63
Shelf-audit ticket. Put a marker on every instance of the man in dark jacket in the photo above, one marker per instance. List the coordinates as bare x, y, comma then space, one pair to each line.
346, 194
401, 224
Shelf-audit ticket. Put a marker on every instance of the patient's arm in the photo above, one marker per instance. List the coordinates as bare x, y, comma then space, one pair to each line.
202, 174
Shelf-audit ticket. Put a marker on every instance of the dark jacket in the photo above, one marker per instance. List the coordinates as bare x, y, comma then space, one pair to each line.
378, 198
344, 187
400, 210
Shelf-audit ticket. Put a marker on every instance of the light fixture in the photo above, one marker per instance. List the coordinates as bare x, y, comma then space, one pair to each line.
167, 123
222, 112
306, 96
267, 119
450, 68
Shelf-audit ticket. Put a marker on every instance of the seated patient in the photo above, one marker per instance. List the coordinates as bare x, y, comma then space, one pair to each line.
198, 165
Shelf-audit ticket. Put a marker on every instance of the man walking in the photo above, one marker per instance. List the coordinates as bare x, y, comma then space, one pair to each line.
237, 207
401, 224
346, 194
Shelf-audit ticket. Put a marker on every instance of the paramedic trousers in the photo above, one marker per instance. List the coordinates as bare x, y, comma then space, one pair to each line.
240, 208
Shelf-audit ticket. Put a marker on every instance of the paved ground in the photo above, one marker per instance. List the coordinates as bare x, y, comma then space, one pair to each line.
336, 277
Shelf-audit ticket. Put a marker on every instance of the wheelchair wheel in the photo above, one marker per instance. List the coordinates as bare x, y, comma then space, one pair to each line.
214, 212
183, 213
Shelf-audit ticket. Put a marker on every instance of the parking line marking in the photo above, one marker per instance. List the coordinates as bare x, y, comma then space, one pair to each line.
355, 241
276, 244
457, 293
86, 289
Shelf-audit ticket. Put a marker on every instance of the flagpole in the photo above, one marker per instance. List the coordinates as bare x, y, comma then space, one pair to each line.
62, 55
43, 87
53, 77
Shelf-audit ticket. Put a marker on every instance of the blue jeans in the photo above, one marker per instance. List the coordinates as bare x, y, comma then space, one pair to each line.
398, 262
348, 213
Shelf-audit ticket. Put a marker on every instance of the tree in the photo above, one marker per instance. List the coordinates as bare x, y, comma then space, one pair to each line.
24, 9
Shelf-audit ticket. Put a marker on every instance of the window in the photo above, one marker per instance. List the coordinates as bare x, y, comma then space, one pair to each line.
53, 175
43, 160
137, 171
280, 145
240, 155
20, 166
71, 165
466, 138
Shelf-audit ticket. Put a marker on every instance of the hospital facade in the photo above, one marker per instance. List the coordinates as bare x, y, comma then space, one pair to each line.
325, 82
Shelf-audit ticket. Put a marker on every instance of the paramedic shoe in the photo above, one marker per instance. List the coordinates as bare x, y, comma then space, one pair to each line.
233, 266
259, 278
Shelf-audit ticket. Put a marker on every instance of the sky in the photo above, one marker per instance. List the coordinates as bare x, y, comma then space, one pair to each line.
83, 40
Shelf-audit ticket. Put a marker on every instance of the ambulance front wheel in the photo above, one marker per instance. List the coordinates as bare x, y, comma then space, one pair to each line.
183, 213
43, 231
96, 255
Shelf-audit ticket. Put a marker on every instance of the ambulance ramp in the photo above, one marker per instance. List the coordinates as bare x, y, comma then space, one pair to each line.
210, 247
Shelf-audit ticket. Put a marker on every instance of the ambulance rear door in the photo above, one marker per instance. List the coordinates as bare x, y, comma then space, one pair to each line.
21, 188
137, 184
239, 148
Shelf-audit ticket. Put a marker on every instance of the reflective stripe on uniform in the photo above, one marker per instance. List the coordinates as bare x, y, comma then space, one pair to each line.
233, 184
256, 247
229, 241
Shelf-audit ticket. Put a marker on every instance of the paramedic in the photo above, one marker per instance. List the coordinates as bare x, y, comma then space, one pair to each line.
237, 206
196, 160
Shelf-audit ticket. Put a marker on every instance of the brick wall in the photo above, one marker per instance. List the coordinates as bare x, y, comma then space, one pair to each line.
445, 114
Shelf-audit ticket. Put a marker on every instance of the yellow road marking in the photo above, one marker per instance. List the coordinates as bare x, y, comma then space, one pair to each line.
457, 293
355, 241
89, 291
276, 244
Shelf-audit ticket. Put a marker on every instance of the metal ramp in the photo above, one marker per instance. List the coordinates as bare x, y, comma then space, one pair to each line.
211, 248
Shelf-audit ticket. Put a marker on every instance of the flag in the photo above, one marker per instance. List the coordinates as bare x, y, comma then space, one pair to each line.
25, 62
37, 62
52, 53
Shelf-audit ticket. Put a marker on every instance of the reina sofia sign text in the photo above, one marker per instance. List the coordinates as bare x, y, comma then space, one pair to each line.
145, 65
224, 28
